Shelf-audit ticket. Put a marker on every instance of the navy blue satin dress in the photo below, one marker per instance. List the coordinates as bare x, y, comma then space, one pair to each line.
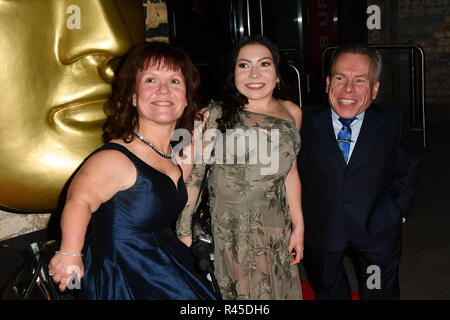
131, 251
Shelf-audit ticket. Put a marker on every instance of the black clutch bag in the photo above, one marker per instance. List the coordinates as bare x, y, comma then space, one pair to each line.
203, 245
32, 281
201, 219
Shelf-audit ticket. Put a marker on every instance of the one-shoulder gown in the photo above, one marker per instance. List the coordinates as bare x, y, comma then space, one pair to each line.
250, 215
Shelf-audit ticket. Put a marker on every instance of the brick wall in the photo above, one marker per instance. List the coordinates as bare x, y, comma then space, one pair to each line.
426, 23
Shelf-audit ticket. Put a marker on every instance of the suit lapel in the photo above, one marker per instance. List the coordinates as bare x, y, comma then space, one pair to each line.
373, 122
324, 126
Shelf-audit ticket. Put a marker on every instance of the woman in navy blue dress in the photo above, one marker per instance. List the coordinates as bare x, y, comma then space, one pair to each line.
131, 190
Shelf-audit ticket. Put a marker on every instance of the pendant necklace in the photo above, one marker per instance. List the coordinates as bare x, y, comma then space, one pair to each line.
157, 150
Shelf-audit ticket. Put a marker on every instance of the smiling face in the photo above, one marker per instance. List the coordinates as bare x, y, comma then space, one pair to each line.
160, 94
351, 89
255, 73
54, 81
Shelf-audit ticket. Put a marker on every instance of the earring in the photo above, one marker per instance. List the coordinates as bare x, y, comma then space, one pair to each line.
278, 85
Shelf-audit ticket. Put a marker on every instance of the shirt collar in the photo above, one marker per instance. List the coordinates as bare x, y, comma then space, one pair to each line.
335, 116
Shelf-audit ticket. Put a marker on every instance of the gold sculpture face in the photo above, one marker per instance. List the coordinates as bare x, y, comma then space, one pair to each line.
57, 62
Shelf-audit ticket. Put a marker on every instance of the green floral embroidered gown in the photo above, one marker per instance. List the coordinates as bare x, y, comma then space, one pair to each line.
249, 210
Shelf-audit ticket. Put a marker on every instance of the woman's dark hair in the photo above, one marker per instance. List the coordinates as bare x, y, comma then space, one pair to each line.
233, 100
122, 115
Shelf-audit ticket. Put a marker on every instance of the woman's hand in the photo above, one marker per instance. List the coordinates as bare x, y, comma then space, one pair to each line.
62, 268
205, 115
296, 245
187, 241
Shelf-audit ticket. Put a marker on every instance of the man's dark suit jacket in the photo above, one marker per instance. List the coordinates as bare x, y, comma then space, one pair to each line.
366, 199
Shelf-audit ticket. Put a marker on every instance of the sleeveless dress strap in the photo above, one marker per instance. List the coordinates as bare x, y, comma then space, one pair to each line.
118, 147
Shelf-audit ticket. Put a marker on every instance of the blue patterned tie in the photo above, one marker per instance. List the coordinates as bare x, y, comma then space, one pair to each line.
344, 137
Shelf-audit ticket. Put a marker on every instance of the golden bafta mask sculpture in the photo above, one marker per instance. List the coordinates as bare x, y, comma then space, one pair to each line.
57, 62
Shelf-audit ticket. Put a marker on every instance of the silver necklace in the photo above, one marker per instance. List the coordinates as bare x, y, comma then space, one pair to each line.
157, 150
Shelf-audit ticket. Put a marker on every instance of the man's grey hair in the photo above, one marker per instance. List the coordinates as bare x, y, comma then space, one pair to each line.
359, 48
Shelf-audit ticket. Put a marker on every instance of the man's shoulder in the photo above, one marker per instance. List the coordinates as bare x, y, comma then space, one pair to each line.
387, 108
392, 112
311, 110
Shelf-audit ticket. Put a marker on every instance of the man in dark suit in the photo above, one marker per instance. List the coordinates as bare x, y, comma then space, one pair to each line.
359, 171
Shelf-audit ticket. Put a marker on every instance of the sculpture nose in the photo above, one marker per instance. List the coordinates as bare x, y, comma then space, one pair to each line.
91, 28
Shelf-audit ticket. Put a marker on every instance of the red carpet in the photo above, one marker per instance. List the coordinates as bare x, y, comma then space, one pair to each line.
308, 293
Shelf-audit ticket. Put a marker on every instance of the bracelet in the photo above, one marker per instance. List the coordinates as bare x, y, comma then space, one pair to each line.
69, 254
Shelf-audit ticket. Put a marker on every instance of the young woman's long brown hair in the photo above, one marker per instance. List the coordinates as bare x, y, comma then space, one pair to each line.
233, 100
